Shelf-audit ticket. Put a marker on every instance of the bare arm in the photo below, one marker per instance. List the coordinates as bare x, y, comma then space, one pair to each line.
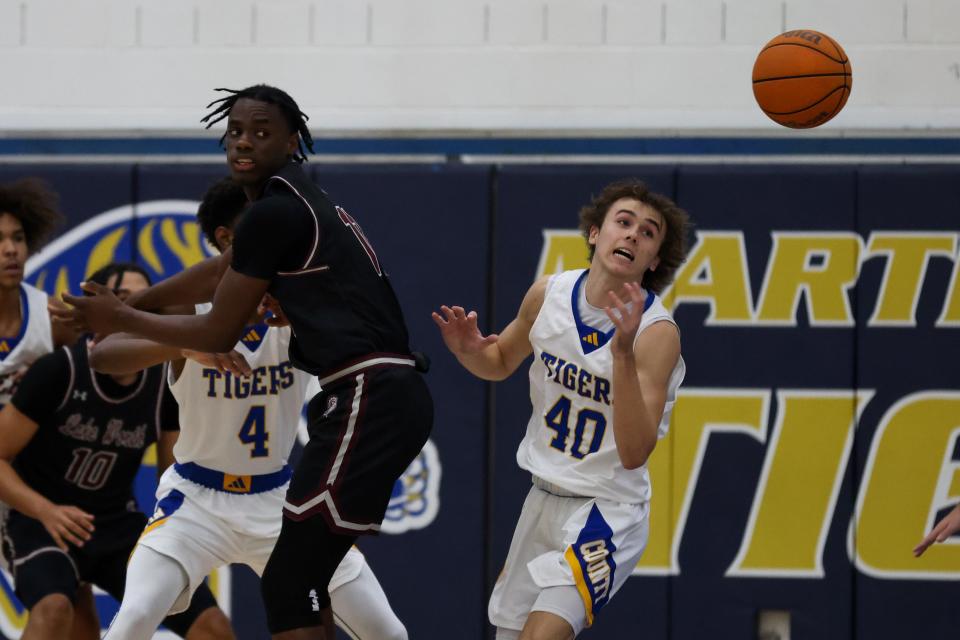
235, 300
492, 357
122, 353
165, 450
641, 374
191, 286
65, 523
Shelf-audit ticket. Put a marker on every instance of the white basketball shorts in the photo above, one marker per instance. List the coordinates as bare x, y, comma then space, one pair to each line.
589, 544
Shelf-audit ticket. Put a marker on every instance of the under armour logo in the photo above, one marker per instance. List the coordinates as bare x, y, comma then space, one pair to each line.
79, 395
314, 601
331, 405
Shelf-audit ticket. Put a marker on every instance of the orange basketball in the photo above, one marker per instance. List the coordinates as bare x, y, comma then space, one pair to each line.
802, 78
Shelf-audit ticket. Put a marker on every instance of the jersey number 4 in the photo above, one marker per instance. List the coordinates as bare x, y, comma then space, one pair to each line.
558, 419
254, 431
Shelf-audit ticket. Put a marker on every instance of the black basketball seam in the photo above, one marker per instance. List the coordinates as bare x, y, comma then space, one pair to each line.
840, 104
836, 46
805, 75
805, 46
809, 106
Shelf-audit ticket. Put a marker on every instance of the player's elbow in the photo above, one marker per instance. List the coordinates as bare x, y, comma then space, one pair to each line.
635, 458
100, 360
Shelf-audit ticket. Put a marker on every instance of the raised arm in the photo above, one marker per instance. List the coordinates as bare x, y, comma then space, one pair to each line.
66, 524
642, 367
492, 357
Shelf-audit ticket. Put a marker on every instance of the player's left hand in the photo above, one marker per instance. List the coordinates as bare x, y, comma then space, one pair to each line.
97, 313
626, 320
948, 526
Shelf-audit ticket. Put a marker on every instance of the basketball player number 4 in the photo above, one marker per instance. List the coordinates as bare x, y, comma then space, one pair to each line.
254, 431
558, 419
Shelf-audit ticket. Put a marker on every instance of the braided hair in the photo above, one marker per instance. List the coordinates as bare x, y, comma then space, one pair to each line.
296, 119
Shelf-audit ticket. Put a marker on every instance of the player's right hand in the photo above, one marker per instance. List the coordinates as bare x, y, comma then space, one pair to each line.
460, 332
68, 524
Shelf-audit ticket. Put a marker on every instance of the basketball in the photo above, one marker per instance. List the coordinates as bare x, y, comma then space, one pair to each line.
802, 79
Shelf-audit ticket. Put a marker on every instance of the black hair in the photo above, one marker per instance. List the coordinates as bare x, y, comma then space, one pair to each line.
296, 119
222, 204
103, 274
35, 205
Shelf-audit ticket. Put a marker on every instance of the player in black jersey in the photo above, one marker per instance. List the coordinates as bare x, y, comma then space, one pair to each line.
374, 413
71, 443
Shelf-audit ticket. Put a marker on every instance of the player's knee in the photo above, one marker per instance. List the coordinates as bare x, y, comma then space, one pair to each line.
212, 624
53, 610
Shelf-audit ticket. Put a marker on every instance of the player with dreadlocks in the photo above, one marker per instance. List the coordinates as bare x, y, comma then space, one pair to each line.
374, 413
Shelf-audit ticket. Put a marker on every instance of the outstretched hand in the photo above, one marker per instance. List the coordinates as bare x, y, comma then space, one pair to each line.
97, 313
947, 526
626, 320
460, 332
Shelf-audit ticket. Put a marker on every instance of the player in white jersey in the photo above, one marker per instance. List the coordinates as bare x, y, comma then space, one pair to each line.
222, 501
28, 215
29, 212
595, 335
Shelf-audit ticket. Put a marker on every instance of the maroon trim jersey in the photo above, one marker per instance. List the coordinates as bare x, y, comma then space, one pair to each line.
92, 432
323, 271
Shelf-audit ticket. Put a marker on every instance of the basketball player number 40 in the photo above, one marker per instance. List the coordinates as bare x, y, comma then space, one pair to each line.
254, 431
558, 419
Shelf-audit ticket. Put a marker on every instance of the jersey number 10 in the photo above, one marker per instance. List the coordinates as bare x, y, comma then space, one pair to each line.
558, 419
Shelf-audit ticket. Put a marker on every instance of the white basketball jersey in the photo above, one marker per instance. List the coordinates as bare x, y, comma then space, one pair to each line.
241, 425
36, 339
569, 440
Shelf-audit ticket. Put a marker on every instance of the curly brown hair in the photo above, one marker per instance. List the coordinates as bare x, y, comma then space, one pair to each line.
673, 250
35, 205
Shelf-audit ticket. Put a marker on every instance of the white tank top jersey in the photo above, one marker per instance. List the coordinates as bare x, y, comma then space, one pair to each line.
569, 440
35, 340
241, 425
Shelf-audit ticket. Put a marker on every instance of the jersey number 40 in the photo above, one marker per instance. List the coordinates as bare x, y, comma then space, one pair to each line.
558, 419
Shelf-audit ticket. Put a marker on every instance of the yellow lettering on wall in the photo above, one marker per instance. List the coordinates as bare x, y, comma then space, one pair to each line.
185, 242
908, 255
716, 273
675, 464
563, 249
797, 492
950, 315
818, 266
907, 478
61, 284
104, 252
147, 248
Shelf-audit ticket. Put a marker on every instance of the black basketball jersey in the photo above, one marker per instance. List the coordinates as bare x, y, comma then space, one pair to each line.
337, 297
87, 452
